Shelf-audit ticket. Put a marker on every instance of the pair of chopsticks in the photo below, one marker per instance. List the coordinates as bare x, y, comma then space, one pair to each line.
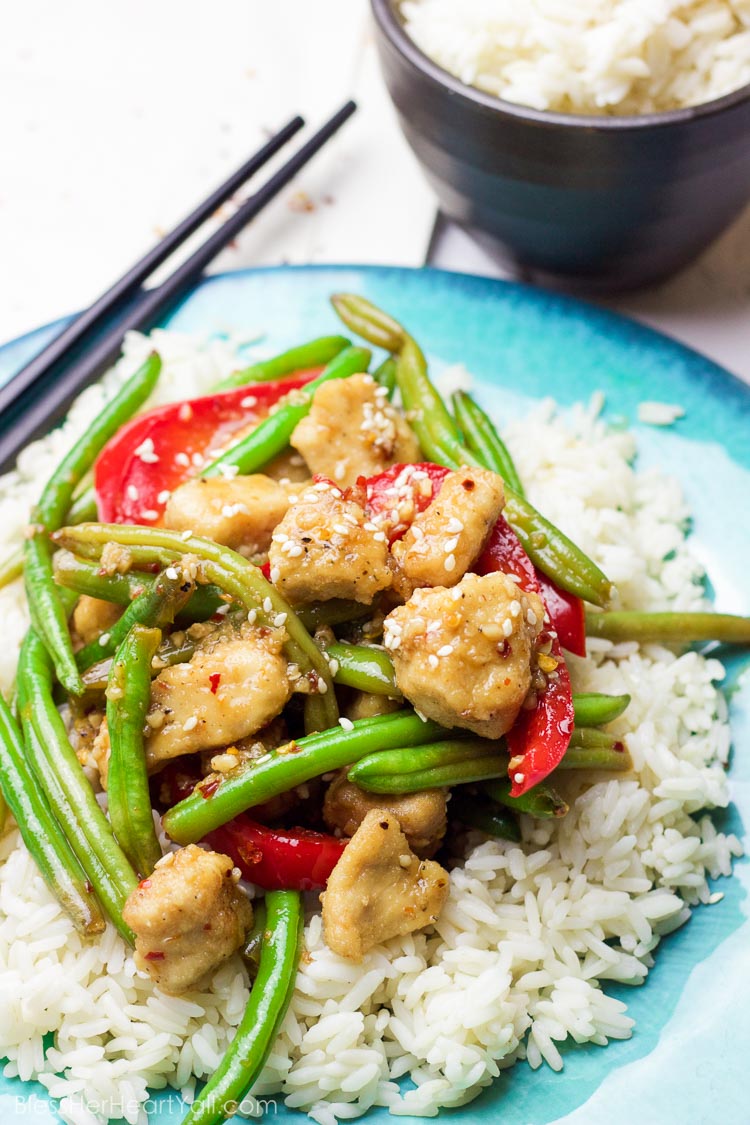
39, 394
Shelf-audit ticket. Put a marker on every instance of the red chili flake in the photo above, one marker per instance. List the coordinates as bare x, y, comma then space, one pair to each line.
155, 955
144, 884
208, 788
214, 680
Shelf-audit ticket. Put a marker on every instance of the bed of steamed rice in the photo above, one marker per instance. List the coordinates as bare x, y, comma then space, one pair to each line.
531, 933
592, 56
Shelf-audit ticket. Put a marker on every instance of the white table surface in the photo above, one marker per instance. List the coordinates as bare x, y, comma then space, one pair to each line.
117, 117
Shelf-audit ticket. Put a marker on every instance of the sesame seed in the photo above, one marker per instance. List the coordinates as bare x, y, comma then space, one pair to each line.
450, 545
267, 605
132, 492
186, 535
185, 413
145, 452
341, 528
104, 639
295, 550
507, 627
456, 594
163, 496
279, 620
172, 573
275, 574
190, 724
518, 778
531, 617
182, 459
450, 563
454, 526
346, 724
150, 514
514, 608
322, 687
445, 650
417, 532
404, 860
432, 660
380, 537
249, 400
252, 616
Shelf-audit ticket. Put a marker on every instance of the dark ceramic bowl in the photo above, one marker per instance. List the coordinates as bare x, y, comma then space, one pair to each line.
607, 202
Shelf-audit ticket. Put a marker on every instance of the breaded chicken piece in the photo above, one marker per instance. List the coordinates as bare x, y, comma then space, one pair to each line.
448, 536
188, 917
325, 548
379, 889
240, 513
235, 683
352, 431
465, 657
422, 816
92, 617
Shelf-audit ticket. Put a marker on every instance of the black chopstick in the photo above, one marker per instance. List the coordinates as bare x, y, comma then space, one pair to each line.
129, 283
45, 402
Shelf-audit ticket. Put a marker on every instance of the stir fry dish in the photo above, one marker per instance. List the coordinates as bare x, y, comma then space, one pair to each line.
290, 637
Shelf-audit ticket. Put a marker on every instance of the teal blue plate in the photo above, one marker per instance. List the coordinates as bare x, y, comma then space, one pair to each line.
687, 1061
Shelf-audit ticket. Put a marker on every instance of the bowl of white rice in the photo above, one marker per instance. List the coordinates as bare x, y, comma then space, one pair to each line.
602, 144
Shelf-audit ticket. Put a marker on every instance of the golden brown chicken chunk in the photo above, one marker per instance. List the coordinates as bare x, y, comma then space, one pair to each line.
240, 512
465, 656
422, 816
448, 536
235, 683
379, 889
187, 917
352, 431
92, 617
325, 548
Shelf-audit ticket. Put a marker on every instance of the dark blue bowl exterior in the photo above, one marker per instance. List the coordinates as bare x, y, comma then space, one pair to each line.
613, 205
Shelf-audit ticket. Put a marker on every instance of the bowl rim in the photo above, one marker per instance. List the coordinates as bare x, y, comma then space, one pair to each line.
386, 17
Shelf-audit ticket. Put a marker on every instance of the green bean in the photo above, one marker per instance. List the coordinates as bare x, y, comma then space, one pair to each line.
52, 508
128, 700
669, 628
270, 997
541, 802
368, 321
254, 941
477, 812
556, 555
35, 677
83, 509
315, 354
484, 440
231, 573
364, 668
157, 606
386, 375
272, 435
437, 766
3, 812
11, 567
391, 768
106, 889
593, 709
84, 575
220, 800
429, 417
597, 750
40, 831
335, 612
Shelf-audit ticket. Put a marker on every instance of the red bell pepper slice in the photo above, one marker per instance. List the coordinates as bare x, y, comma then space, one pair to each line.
503, 551
157, 451
278, 859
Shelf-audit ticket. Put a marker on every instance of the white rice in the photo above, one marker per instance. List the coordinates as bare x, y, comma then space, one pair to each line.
589, 56
531, 932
